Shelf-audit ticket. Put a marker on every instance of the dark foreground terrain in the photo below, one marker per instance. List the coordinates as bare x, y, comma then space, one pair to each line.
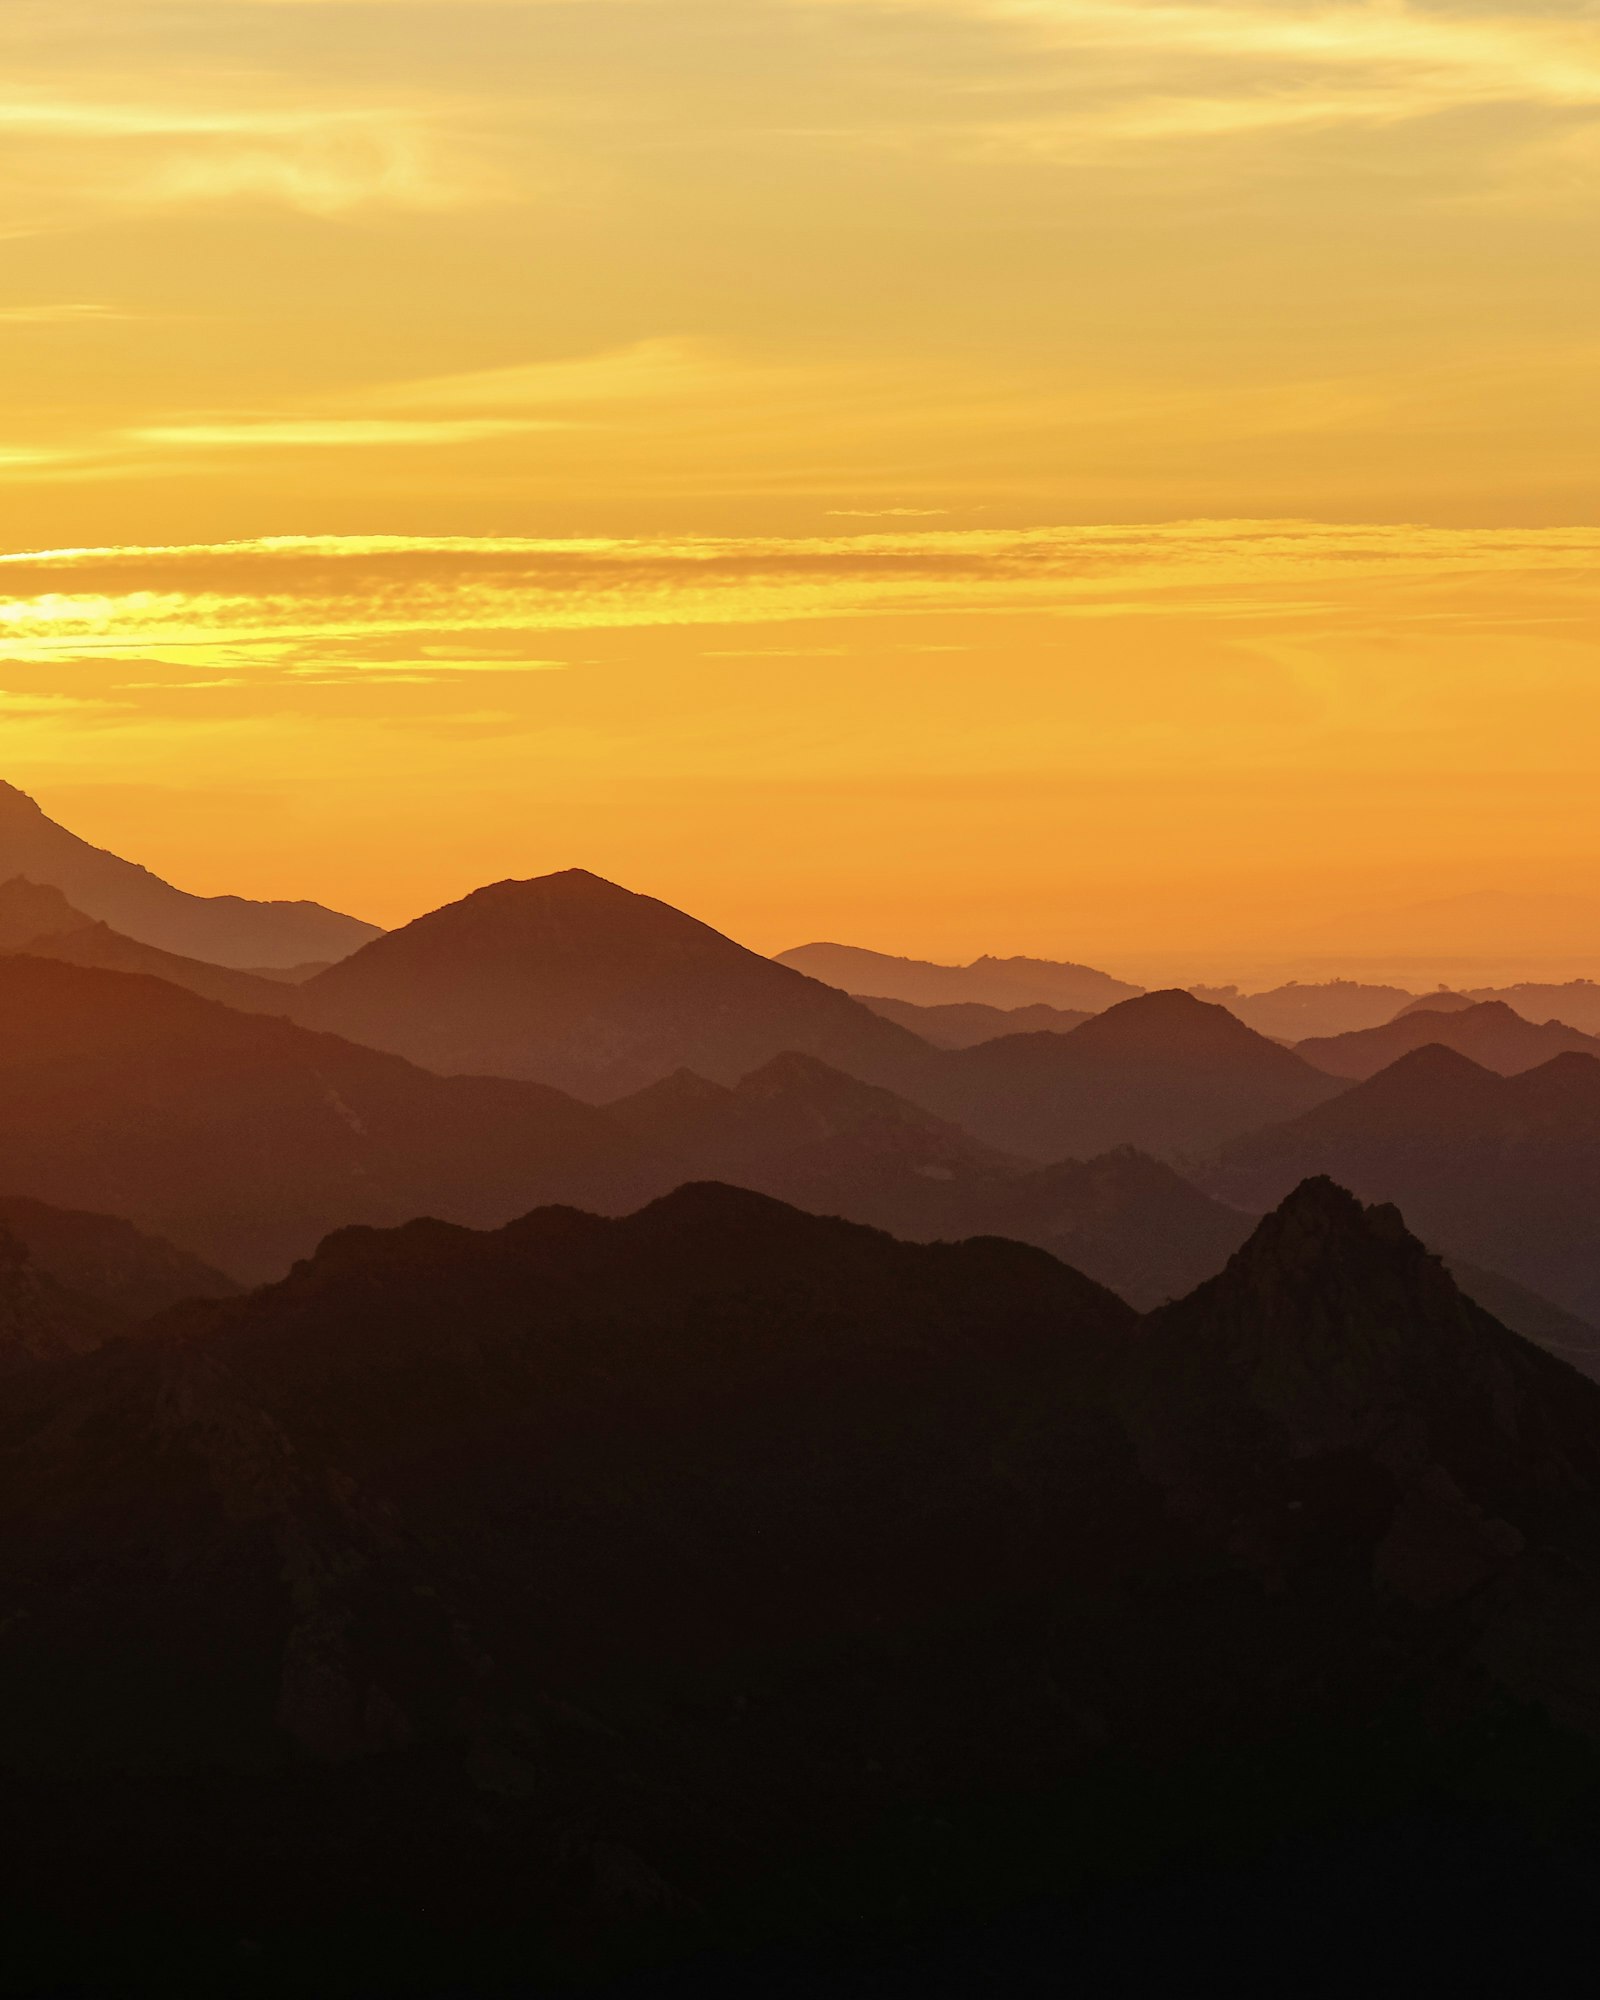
725, 1599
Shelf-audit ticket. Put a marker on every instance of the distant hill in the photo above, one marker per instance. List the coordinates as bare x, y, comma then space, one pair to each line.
223, 930
572, 981
246, 1139
616, 1589
1164, 1072
1292, 1013
962, 1024
1489, 1032
992, 982
99, 946
1503, 1171
1442, 1002
1577, 1002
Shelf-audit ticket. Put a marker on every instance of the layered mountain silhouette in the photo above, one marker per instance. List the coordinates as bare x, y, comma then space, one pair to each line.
1165, 1072
572, 981
245, 1139
223, 930
728, 1574
1577, 1001
33, 910
1442, 1002
40, 1320
124, 1272
1294, 1012
962, 1024
1501, 1170
991, 982
1489, 1032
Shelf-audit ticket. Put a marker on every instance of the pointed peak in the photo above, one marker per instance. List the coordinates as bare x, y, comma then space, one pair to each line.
1321, 1219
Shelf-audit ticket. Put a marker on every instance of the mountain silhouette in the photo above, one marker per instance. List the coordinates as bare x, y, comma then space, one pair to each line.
245, 1139
30, 910
611, 1584
809, 1135
1442, 1002
40, 1319
572, 981
120, 1270
991, 982
1576, 1002
1503, 1171
962, 1024
223, 930
1294, 1012
1165, 1072
1489, 1032
97, 945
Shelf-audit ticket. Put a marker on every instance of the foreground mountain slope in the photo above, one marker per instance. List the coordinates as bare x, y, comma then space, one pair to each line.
246, 1139
1165, 1072
1503, 1171
572, 981
991, 982
221, 930
597, 1582
1490, 1033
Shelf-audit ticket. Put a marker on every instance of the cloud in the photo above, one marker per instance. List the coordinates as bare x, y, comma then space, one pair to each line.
400, 599
319, 433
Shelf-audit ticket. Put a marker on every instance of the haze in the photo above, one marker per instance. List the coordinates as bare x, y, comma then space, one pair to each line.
1107, 480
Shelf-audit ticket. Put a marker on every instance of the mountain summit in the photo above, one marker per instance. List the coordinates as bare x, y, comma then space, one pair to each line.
569, 979
225, 930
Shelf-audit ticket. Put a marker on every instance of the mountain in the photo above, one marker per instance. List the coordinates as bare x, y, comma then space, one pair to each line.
99, 946
740, 1593
100, 1258
1442, 1002
1294, 1012
1489, 1033
991, 982
575, 982
809, 1135
1577, 1002
40, 1320
1501, 1170
1562, 1334
1165, 1072
30, 910
222, 930
962, 1024
246, 1139
1125, 1220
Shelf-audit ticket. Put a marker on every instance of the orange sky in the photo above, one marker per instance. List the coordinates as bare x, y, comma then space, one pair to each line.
1093, 478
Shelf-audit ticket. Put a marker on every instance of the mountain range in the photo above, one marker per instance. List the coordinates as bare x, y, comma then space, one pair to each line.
572, 981
1501, 1170
962, 1024
1490, 1032
992, 982
224, 930
246, 1139
489, 1612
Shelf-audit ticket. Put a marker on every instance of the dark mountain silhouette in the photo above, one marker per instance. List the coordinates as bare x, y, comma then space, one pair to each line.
726, 1574
1562, 1334
223, 930
1292, 1013
120, 1269
1165, 1072
572, 981
1502, 1171
30, 910
1577, 1002
992, 982
1489, 1032
962, 1024
245, 1139
40, 1320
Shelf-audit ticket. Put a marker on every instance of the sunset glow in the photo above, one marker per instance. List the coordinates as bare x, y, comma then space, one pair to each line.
1072, 476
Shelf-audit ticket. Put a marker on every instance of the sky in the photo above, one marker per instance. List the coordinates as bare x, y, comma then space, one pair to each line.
1085, 477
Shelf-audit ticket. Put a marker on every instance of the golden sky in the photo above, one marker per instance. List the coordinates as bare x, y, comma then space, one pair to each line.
1079, 476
